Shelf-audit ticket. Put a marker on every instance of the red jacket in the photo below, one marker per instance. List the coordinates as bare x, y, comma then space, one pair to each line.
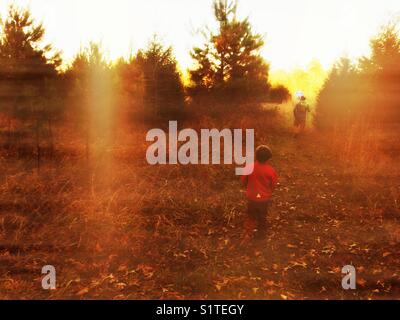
261, 182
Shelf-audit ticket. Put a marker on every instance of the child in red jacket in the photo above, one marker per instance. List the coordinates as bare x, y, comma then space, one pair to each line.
260, 184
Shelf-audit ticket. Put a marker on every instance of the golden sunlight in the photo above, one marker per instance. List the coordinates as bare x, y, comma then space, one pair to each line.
296, 32
199, 149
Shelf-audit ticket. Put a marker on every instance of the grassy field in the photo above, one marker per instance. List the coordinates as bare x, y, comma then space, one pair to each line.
116, 228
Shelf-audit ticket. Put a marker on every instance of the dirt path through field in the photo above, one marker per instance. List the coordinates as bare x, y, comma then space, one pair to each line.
119, 229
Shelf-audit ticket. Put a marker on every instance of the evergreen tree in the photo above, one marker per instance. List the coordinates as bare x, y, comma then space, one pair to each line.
28, 72
25, 64
91, 94
384, 61
162, 85
367, 92
230, 59
338, 96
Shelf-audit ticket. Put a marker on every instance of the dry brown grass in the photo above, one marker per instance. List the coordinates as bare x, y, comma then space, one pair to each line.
116, 228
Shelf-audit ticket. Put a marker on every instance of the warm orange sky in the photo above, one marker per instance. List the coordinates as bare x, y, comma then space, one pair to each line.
296, 31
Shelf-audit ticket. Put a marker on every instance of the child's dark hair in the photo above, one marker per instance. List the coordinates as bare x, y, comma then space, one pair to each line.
263, 154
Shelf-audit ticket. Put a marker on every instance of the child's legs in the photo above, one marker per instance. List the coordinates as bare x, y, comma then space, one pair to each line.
250, 226
256, 218
262, 221
262, 213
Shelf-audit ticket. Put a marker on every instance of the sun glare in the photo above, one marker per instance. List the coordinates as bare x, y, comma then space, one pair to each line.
295, 31
223, 158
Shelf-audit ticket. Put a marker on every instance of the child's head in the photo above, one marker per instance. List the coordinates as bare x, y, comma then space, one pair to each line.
263, 154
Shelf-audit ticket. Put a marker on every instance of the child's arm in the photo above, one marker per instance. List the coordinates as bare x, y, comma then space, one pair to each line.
274, 179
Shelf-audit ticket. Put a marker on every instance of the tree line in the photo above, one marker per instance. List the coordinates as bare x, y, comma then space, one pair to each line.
363, 92
37, 90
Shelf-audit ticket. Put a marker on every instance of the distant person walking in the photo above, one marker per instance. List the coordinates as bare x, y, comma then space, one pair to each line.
300, 115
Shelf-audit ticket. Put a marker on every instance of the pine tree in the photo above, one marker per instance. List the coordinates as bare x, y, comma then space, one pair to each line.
384, 61
230, 59
367, 92
338, 97
24, 61
28, 71
91, 93
163, 88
